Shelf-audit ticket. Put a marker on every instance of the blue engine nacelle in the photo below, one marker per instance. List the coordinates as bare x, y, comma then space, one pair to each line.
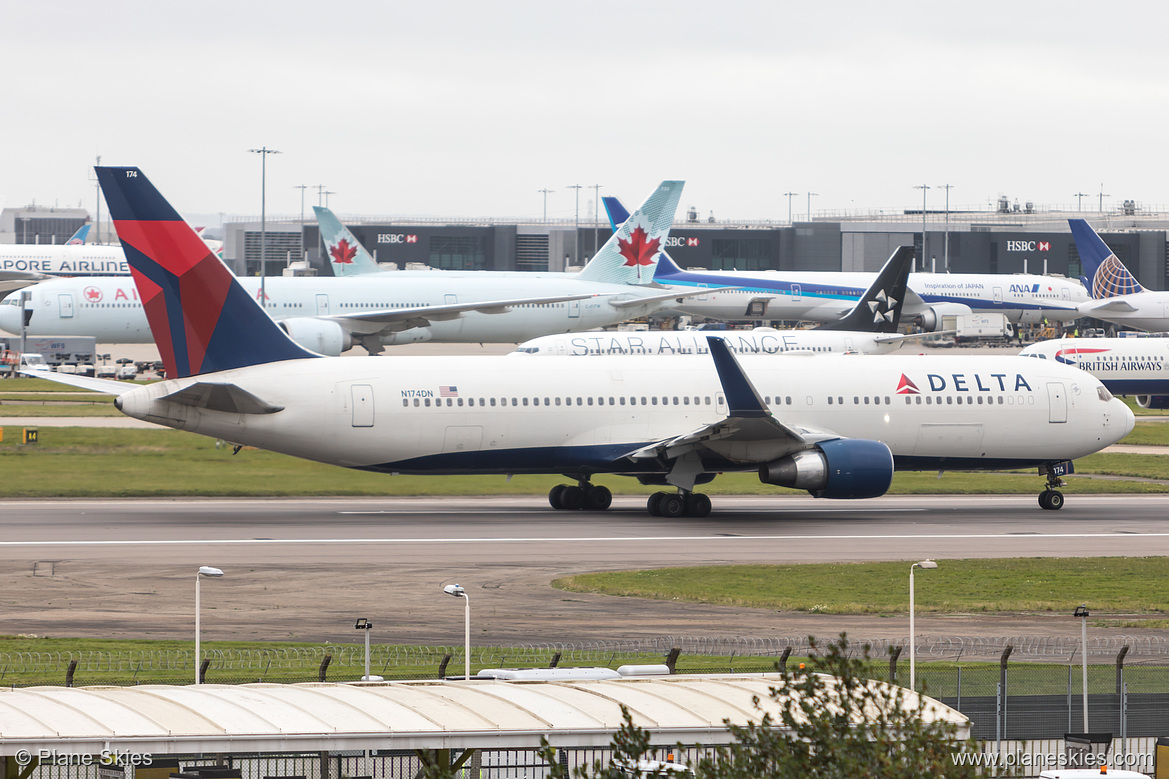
840, 468
1153, 401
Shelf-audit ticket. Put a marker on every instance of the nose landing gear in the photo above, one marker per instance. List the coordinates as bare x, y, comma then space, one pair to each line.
1052, 499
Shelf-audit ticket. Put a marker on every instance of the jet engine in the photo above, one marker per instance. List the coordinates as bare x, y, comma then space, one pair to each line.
1153, 401
840, 468
931, 318
319, 335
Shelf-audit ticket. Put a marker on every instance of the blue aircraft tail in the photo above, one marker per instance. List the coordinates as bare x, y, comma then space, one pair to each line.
201, 318
1105, 274
78, 238
617, 212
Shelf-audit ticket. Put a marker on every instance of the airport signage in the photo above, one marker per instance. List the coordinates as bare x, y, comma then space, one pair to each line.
1028, 246
396, 238
679, 241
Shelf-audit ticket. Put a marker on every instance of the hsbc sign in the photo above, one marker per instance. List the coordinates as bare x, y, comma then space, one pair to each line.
1028, 246
396, 238
676, 241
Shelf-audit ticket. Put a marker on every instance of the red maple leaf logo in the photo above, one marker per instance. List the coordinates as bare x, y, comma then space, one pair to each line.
343, 253
93, 294
907, 387
637, 250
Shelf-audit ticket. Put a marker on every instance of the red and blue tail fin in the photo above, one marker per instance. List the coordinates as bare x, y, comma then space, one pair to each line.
201, 318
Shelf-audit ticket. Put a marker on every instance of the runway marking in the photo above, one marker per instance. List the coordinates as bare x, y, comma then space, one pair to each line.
581, 539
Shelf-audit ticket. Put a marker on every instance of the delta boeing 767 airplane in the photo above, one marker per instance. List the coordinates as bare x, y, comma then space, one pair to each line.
837, 431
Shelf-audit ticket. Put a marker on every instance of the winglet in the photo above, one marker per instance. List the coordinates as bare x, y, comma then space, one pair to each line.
631, 253
1107, 274
202, 320
347, 257
742, 398
879, 309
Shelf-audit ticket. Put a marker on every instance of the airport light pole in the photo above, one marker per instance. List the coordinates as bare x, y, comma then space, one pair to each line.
946, 252
327, 193
576, 223
924, 564
596, 217
1102, 196
810, 196
1079, 196
320, 188
302, 188
366, 625
1083, 613
263, 151
789, 196
924, 188
457, 591
545, 193
205, 570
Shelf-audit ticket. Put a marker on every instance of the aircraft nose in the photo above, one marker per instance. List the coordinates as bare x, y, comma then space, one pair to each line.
1128, 419
10, 319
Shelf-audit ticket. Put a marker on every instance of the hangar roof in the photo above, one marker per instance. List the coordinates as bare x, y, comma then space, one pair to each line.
494, 714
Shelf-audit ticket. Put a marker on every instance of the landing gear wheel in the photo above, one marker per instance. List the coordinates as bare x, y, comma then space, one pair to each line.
654, 504
697, 505
671, 505
1051, 500
572, 498
554, 496
598, 499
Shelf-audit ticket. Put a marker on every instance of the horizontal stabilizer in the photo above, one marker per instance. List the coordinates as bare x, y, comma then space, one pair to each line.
108, 386
217, 396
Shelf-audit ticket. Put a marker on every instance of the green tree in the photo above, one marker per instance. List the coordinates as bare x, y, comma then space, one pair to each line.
834, 721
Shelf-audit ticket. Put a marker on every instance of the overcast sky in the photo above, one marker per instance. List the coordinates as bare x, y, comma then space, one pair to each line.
470, 108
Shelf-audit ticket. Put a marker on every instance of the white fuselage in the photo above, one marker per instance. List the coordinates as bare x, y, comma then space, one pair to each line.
563, 414
65, 259
1127, 366
824, 296
1148, 310
760, 340
110, 310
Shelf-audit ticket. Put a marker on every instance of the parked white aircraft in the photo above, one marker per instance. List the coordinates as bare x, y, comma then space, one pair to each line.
1117, 296
1126, 366
870, 328
328, 315
837, 431
823, 296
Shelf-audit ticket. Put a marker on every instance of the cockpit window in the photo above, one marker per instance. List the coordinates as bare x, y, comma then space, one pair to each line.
1103, 392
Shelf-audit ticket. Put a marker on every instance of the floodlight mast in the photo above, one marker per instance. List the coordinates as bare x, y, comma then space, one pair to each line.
205, 570
457, 591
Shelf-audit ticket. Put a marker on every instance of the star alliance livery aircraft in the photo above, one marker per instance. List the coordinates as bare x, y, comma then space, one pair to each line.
870, 328
1117, 297
329, 315
823, 296
837, 431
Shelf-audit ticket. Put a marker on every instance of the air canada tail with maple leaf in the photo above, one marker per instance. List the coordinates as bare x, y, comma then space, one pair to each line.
631, 255
347, 257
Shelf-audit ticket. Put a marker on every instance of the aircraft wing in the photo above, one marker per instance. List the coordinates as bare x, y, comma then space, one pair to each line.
749, 433
886, 338
393, 320
678, 295
1117, 305
12, 280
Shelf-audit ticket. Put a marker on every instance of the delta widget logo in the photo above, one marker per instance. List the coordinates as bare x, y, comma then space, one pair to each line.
907, 387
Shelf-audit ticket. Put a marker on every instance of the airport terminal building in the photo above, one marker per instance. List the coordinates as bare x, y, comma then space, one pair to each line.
961, 242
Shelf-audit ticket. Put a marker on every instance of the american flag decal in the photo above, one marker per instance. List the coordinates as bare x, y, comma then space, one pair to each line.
448, 392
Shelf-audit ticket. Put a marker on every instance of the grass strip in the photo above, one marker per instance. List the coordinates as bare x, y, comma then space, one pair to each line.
1124, 585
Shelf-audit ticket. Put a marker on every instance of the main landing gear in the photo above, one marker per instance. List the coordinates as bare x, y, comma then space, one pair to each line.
590, 497
677, 504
